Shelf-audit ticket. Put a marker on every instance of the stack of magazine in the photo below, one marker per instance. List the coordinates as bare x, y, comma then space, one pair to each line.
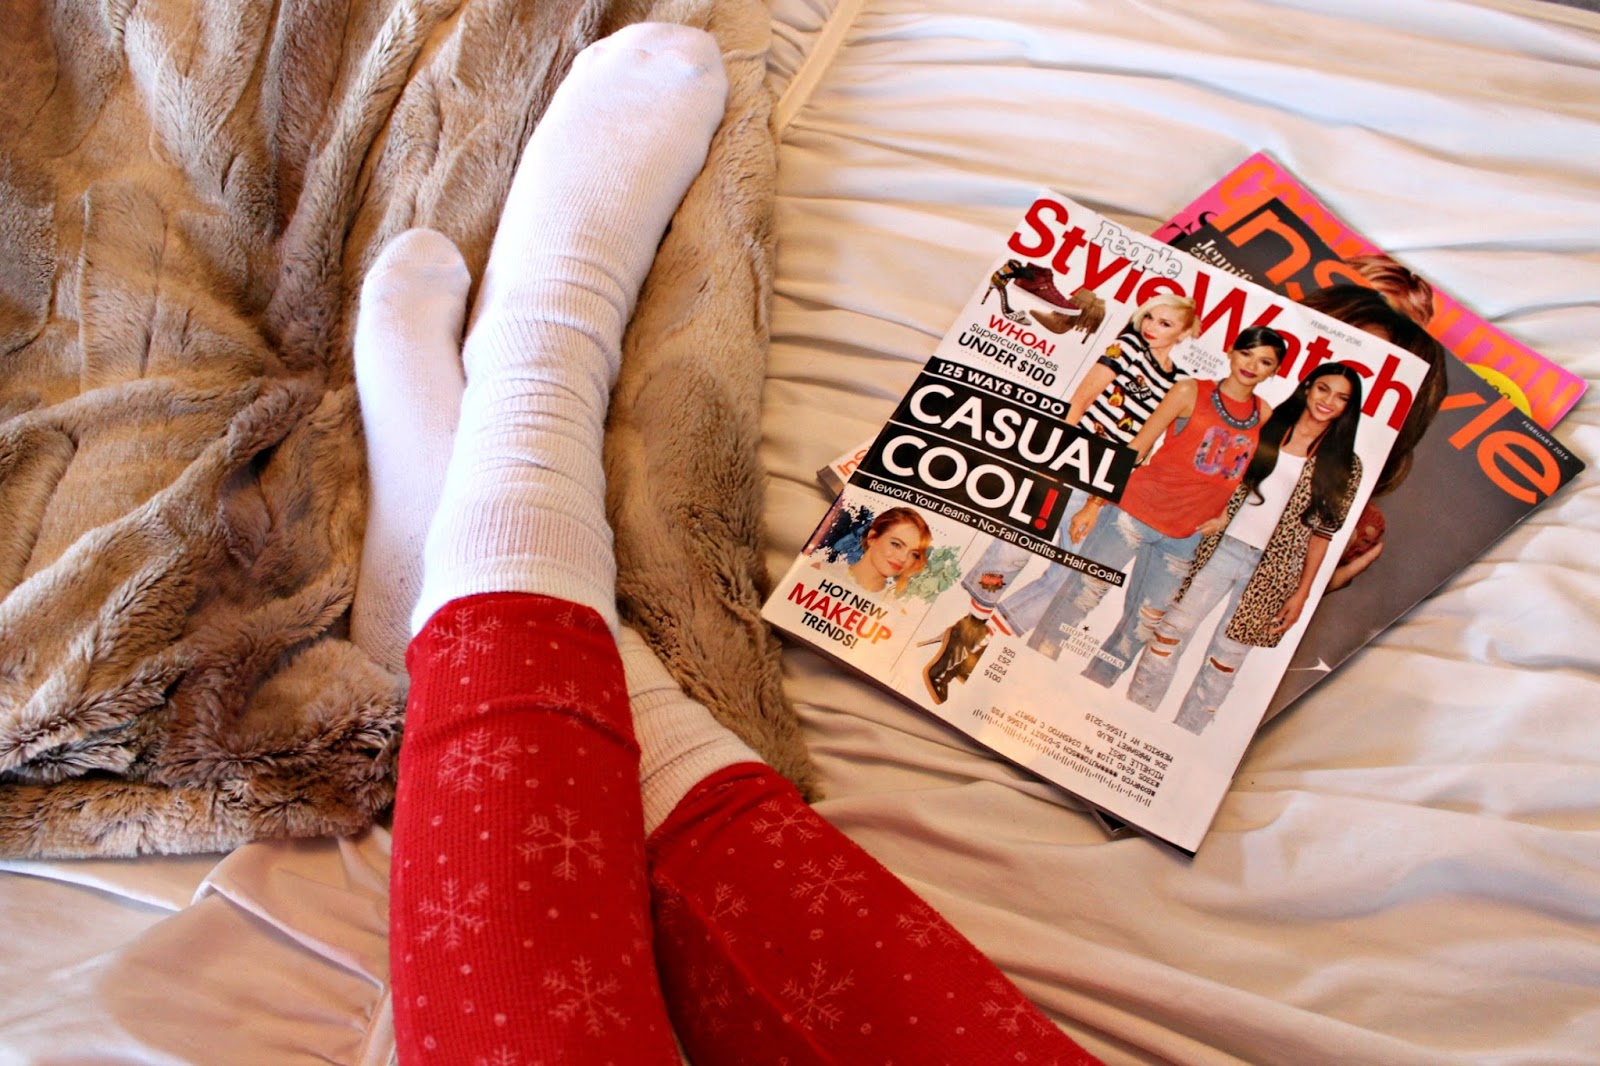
1014, 554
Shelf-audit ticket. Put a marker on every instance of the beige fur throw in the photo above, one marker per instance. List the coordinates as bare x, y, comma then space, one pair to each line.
190, 193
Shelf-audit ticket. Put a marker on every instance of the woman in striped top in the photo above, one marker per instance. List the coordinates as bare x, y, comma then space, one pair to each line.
1120, 392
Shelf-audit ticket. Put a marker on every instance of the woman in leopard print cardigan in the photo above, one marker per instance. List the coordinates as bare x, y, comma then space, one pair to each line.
1294, 497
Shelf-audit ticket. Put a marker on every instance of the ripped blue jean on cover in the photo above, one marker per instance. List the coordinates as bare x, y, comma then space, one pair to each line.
1222, 580
1155, 565
990, 581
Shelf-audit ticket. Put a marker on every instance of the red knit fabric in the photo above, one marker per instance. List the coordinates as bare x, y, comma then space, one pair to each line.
781, 941
519, 927
520, 930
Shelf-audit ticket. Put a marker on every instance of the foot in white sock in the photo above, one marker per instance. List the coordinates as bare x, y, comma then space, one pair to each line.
523, 508
680, 743
409, 379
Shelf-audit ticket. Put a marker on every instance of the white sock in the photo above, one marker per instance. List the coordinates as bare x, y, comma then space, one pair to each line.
408, 376
680, 743
523, 508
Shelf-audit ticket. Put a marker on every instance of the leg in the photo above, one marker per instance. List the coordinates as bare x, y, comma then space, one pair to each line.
1222, 579
1109, 543
1160, 566
1018, 613
1116, 651
1211, 685
592, 196
963, 643
408, 370
519, 915
519, 906
997, 567
782, 941
1023, 608
1074, 601
538, 947
961, 646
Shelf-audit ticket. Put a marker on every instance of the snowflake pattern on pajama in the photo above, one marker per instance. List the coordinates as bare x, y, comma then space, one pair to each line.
522, 930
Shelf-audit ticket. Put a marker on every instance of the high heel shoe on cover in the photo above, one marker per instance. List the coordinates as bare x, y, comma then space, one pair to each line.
1038, 281
997, 285
963, 645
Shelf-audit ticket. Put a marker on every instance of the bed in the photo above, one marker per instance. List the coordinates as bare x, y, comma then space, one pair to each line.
1405, 870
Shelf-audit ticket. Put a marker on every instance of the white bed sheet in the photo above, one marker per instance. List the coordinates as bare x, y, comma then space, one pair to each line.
1408, 867
276, 953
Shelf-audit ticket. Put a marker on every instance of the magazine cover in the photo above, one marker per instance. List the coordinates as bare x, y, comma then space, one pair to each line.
1098, 523
1473, 466
1232, 209
1476, 464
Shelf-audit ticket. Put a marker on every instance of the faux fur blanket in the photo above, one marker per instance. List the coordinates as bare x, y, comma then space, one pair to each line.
190, 193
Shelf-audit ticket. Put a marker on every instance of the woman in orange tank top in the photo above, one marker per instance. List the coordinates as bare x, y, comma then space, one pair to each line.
1208, 431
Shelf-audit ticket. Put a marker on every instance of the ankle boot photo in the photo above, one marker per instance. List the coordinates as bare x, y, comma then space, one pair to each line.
959, 651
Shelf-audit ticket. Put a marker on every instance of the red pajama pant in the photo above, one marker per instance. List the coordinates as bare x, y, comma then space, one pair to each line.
533, 923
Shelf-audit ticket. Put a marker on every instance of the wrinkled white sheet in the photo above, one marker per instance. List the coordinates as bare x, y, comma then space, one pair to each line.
275, 953
1408, 867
